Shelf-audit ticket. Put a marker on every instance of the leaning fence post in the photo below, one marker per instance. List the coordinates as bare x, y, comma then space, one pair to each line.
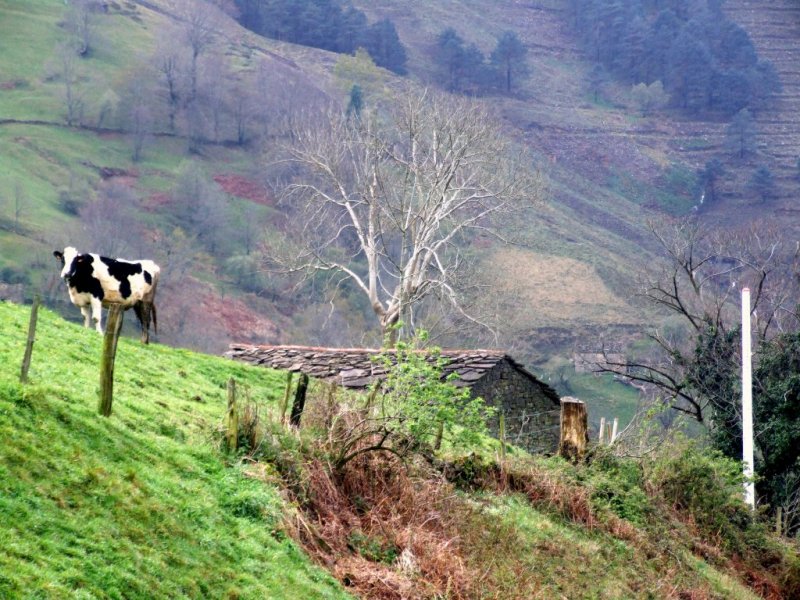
574, 429
602, 430
232, 418
286, 393
113, 327
299, 400
26, 360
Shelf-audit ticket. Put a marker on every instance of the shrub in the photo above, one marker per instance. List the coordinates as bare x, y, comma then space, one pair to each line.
411, 410
617, 485
709, 487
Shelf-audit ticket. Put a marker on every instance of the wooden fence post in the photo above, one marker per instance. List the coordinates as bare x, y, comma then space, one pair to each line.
26, 360
113, 327
602, 430
232, 418
299, 400
437, 440
574, 429
286, 393
502, 433
330, 407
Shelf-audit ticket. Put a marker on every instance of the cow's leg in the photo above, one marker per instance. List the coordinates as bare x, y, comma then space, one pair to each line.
87, 313
97, 314
142, 310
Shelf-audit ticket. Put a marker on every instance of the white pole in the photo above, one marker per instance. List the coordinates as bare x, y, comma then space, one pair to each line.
747, 402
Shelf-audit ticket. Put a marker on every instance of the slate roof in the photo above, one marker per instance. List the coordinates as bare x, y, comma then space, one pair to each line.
356, 367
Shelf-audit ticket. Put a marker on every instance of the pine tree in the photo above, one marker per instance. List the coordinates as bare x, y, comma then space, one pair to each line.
509, 56
762, 183
741, 134
384, 46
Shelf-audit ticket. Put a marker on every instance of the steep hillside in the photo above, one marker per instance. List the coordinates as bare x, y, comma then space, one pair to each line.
775, 30
609, 170
49, 162
141, 504
144, 504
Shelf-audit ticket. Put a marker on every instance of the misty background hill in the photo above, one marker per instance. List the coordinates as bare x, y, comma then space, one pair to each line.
156, 128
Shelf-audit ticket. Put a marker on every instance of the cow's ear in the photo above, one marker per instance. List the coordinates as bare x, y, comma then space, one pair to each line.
59, 255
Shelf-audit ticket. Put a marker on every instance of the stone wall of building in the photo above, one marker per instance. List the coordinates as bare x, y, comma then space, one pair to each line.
532, 410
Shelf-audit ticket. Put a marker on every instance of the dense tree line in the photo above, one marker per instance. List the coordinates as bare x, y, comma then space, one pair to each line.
464, 68
325, 24
706, 62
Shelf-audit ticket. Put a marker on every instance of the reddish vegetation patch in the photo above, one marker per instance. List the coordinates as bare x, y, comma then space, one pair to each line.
156, 201
241, 187
240, 321
8, 85
384, 534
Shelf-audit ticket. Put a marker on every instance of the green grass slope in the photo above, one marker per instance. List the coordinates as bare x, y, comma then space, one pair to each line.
142, 504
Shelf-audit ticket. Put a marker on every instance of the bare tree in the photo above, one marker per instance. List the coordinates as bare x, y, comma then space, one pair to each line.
700, 284
108, 223
168, 60
199, 21
80, 22
386, 200
20, 205
64, 66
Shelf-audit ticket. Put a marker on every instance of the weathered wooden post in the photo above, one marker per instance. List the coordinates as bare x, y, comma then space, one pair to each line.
502, 433
232, 418
437, 440
113, 327
299, 401
286, 393
330, 407
26, 360
574, 429
602, 430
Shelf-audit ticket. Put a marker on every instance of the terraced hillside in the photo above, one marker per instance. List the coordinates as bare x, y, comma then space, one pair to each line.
612, 168
775, 30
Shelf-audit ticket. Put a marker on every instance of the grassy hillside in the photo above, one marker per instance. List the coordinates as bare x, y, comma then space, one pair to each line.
609, 170
144, 505
44, 158
139, 505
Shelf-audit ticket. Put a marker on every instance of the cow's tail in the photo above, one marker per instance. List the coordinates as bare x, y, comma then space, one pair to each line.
153, 299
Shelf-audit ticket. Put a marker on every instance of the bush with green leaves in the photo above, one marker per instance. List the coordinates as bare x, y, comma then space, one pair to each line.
708, 486
409, 411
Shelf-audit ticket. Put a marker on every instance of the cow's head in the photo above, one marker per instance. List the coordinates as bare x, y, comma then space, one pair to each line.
70, 260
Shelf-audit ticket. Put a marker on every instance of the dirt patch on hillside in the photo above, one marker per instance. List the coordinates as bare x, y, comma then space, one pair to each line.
242, 187
536, 290
240, 321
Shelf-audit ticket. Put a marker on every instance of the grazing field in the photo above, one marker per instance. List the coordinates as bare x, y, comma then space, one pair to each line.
141, 504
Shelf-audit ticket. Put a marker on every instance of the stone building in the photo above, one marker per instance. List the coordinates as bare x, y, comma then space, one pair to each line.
531, 407
593, 358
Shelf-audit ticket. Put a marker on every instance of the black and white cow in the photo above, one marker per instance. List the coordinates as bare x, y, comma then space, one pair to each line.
96, 281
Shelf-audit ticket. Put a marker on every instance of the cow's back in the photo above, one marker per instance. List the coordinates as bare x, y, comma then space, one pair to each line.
124, 281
